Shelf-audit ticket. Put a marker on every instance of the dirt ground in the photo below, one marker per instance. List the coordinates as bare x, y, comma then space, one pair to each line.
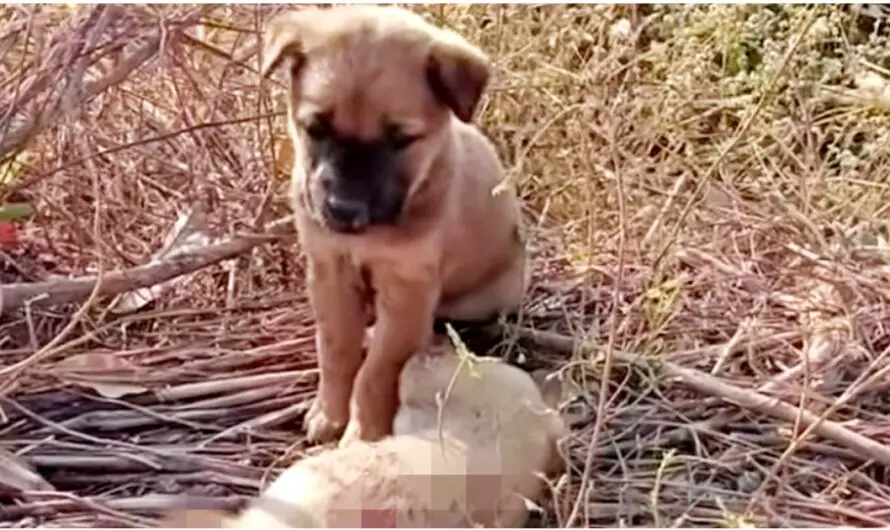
706, 190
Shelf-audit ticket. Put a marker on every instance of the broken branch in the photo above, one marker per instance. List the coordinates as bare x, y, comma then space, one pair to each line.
53, 292
865, 447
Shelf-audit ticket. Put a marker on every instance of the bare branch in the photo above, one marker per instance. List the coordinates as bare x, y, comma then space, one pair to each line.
865, 447
52, 113
55, 292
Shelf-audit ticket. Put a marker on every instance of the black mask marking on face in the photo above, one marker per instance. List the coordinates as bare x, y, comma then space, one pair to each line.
363, 182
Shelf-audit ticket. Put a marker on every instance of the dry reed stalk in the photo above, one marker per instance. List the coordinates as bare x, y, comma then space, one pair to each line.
748, 141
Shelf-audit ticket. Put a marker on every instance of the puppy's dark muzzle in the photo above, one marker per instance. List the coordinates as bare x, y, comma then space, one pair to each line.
348, 214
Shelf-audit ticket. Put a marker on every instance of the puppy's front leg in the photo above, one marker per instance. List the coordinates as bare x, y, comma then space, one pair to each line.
335, 295
404, 310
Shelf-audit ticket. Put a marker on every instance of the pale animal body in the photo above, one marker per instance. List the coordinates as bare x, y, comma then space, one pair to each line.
470, 442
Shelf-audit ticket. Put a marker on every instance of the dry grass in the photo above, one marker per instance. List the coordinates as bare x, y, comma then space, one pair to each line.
708, 186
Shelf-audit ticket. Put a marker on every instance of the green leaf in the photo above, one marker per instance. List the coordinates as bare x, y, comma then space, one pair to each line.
15, 211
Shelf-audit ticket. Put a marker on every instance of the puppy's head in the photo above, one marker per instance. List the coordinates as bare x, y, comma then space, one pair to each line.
372, 92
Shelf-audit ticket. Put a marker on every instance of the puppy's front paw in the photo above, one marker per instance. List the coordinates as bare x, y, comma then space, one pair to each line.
364, 431
350, 435
320, 428
356, 433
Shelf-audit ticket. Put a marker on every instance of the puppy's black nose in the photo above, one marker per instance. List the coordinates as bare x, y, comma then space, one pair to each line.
349, 212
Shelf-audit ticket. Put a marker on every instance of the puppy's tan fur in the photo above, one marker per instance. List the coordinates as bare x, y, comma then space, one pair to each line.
457, 252
470, 461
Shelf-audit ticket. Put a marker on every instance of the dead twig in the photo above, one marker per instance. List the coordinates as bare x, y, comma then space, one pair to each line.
71, 98
56, 292
865, 447
145, 504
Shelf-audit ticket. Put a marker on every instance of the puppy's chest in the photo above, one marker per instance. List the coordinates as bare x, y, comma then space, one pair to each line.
373, 254
365, 288
376, 270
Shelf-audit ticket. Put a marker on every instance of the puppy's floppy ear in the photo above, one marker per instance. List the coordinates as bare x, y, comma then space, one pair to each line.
282, 39
457, 73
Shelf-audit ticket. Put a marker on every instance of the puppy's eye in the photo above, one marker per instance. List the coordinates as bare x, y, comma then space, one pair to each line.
396, 137
319, 127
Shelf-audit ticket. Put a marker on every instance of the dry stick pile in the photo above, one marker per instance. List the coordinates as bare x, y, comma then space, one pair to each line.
749, 383
257, 386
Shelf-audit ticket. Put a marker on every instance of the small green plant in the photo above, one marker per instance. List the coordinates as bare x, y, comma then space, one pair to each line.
15, 211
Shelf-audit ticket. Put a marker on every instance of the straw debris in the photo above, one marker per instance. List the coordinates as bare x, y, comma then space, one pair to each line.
706, 188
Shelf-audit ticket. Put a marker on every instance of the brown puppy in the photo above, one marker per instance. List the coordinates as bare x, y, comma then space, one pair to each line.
471, 440
393, 192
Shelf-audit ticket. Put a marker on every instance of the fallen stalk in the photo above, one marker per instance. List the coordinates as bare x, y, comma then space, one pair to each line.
863, 446
68, 290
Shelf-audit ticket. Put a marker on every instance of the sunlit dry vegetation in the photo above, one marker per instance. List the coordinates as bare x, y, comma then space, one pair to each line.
706, 188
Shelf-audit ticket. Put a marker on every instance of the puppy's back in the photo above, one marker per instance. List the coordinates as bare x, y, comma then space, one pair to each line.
481, 172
